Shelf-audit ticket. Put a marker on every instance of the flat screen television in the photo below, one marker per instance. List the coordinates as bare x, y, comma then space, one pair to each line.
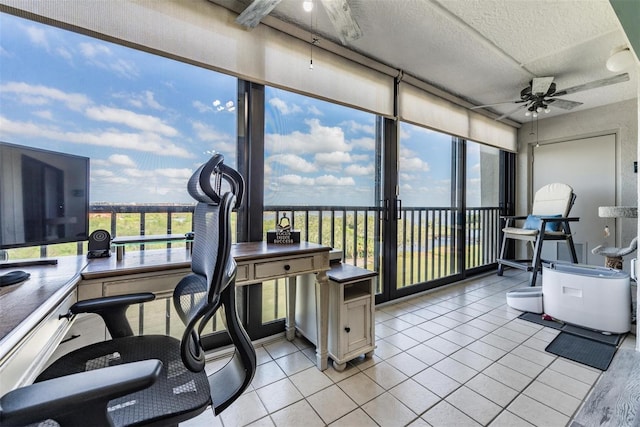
44, 197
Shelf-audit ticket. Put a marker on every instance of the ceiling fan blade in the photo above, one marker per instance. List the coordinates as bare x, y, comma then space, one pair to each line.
540, 85
343, 21
595, 84
253, 14
507, 114
497, 103
565, 104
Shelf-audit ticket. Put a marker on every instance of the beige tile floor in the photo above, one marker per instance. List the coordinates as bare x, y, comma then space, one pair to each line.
453, 357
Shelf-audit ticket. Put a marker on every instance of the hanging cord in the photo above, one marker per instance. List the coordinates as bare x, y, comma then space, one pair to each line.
314, 39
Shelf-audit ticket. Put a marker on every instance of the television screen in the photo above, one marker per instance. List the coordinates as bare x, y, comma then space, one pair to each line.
44, 197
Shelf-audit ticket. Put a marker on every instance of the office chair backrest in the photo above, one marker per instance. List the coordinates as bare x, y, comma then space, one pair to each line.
553, 199
197, 296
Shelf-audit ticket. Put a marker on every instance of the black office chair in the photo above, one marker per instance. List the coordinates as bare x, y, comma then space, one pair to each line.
154, 379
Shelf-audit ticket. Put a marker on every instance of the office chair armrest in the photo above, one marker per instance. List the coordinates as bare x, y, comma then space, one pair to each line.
78, 399
113, 311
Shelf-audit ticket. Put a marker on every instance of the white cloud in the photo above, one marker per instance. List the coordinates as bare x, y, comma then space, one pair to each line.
313, 183
364, 143
44, 114
312, 109
99, 163
41, 95
294, 162
122, 160
283, 107
142, 122
143, 99
94, 50
37, 36
64, 53
296, 180
360, 157
319, 139
201, 107
102, 177
414, 164
334, 181
220, 141
183, 174
99, 55
100, 173
335, 158
356, 127
145, 142
359, 170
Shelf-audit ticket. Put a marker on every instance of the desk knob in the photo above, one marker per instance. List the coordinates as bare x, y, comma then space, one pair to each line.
67, 316
287, 267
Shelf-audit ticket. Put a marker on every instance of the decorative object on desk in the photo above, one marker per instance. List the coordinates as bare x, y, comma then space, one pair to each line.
283, 234
99, 244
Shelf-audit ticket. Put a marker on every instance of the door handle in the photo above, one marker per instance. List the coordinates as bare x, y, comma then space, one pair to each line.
398, 209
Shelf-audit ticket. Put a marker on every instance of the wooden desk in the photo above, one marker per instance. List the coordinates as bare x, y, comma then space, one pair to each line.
30, 327
159, 271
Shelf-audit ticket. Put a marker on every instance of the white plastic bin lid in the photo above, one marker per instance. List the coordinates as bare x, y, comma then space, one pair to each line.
587, 270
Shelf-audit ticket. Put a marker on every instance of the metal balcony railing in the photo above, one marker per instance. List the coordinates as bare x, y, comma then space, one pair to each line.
428, 238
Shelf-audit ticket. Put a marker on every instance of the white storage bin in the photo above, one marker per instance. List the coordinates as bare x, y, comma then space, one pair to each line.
526, 299
593, 297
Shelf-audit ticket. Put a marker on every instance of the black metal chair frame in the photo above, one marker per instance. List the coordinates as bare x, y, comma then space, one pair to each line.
534, 264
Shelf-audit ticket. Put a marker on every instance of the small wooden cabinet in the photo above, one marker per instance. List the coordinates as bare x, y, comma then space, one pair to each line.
351, 313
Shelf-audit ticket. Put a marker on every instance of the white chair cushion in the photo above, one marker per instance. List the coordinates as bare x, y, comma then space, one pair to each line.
520, 231
552, 199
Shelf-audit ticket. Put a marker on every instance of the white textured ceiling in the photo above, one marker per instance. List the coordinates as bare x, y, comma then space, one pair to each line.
484, 51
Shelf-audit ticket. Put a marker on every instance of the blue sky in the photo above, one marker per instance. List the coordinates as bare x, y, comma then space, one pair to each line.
146, 122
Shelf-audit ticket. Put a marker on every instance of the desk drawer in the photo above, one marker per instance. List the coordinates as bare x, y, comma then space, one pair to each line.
159, 284
266, 270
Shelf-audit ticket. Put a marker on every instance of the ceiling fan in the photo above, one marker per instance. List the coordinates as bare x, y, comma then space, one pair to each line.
338, 11
541, 93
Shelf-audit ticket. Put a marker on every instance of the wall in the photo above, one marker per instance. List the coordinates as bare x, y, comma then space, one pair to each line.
621, 119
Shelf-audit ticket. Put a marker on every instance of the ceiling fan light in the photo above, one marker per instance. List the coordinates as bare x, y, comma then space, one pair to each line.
547, 110
307, 5
539, 110
527, 113
620, 59
535, 114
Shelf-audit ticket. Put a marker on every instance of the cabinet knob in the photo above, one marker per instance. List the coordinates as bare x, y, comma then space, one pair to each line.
347, 329
287, 267
68, 315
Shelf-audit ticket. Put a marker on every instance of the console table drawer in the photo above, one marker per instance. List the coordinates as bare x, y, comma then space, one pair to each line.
266, 270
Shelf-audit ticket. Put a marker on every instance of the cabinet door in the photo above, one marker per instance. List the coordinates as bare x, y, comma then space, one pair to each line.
357, 325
